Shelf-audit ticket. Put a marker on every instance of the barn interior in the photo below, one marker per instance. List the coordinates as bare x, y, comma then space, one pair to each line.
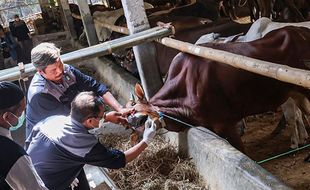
120, 43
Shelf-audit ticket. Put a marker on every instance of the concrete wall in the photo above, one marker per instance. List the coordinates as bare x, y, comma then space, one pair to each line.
221, 165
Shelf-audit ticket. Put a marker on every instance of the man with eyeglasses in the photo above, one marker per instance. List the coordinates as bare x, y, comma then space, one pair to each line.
16, 169
61, 145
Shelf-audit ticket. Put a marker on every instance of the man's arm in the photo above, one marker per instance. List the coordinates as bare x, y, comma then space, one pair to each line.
109, 99
135, 151
148, 135
87, 83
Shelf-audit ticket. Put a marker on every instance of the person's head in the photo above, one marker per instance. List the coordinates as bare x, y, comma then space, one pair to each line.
88, 109
46, 59
16, 17
12, 106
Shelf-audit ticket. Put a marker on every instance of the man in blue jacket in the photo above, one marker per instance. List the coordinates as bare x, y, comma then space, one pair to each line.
16, 168
61, 145
8, 47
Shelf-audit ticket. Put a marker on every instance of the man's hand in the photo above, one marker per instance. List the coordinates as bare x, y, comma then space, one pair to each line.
116, 117
149, 131
127, 111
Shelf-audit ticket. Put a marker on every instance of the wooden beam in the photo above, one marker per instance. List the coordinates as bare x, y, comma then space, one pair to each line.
280, 72
88, 23
145, 53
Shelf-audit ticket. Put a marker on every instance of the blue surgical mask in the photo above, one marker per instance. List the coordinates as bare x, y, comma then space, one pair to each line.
20, 122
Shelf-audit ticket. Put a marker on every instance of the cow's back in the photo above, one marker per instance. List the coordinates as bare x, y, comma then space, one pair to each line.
225, 28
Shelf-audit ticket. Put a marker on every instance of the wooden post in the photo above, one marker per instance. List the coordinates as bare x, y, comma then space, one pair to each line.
88, 23
67, 18
144, 53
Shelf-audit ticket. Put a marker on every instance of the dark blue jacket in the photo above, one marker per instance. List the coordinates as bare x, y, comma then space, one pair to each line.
12, 44
60, 147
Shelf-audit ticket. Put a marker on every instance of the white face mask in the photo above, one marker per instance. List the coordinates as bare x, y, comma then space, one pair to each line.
99, 125
20, 122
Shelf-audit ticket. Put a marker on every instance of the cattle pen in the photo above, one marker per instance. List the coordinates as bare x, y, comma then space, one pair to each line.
211, 163
220, 164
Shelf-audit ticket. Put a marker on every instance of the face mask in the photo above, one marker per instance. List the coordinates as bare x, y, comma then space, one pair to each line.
20, 122
99, 125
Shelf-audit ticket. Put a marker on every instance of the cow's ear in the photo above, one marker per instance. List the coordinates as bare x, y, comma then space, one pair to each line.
139, 91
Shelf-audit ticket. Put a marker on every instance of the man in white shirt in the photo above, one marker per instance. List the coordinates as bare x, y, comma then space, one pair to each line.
16, 168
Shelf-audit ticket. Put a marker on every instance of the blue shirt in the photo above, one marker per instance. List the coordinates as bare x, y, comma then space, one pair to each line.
60, 147
46, 98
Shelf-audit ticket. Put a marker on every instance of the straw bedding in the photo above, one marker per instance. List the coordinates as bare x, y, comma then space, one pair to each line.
158, 167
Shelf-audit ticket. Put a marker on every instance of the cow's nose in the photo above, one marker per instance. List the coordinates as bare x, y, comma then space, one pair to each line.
137, 120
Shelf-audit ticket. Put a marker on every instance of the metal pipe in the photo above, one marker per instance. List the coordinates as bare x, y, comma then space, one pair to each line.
95, 51
280, 72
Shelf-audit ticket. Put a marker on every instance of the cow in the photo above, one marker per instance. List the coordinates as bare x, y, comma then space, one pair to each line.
291, 112
280, 10
217, 96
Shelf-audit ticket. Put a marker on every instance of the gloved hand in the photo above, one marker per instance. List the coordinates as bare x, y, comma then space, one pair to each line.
74, 183
149, 131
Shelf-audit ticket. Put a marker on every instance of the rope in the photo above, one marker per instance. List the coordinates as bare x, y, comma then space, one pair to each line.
283, 154
161, 114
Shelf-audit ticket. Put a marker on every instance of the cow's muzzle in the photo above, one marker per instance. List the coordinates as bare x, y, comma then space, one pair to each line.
137, 120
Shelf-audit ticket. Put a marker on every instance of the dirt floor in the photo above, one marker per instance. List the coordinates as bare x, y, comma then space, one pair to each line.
260, 144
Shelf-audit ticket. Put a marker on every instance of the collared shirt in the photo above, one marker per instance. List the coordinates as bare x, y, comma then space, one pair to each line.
5, 132
46, 98
16, 169
60, 146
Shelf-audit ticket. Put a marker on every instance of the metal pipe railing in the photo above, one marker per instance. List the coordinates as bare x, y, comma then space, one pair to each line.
95, 51
280, 72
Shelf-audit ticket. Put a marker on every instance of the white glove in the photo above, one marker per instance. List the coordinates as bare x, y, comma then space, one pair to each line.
74, 183
149, 131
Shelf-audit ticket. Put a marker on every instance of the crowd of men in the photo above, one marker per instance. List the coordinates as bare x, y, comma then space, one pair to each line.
15, 44
62, 105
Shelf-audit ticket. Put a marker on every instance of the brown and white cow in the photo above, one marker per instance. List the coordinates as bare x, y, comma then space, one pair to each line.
217, 96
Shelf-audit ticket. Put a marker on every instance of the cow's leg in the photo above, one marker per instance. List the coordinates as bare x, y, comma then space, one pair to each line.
241, 126
289, 110
303, 104
302, 132
281, 125
230, 133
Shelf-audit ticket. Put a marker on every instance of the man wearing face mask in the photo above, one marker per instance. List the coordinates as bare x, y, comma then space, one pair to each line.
61, 145
16, 169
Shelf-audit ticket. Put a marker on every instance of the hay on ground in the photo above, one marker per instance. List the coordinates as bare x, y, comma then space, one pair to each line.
158, 167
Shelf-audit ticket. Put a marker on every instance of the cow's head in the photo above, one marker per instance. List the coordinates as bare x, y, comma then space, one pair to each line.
143, 110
